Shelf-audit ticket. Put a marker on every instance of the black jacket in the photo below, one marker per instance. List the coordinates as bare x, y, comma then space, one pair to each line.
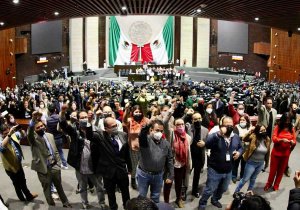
105, 161
294, 199
76, 144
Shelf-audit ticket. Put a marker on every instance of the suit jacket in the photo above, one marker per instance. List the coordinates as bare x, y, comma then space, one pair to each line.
40, 151
264, 116
195, 150
76, 144
105, 161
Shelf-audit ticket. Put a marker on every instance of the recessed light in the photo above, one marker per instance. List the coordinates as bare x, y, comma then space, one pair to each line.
124, 8
1, 23
15, 1
198, 10
256, 19
56, 13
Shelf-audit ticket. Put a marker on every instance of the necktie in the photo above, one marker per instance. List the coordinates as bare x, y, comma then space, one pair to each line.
115, 145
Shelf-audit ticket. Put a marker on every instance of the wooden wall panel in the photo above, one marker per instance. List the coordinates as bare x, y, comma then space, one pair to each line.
20, 45
261, 48
7, 58
285, 56
102, 38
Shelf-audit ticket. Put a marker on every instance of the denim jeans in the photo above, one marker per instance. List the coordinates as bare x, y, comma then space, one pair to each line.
235, 167
59, 145
252, 169
154, 181
216, 185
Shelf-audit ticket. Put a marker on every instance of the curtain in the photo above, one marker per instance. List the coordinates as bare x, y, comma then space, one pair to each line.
114, 37
134, 53
169, 37
147, 53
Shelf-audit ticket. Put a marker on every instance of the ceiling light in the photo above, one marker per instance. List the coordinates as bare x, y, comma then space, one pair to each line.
198, 10
298, 29
256, 19
15, 1
1, 23
56, 13
124, 8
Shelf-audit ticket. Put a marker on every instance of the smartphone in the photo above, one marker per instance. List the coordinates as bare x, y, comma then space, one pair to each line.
4, 113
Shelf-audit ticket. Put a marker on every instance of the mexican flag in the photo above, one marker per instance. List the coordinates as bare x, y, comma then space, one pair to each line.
157, 48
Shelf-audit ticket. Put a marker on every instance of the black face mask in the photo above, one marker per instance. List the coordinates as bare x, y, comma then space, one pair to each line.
106, 115
229, 129
197, 124
137, 117
263, 134
41, 132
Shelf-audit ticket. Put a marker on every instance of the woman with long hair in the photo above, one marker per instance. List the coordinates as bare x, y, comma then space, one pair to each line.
241, 129
210, 118
11, 121
133, 125
284, 139
256, 155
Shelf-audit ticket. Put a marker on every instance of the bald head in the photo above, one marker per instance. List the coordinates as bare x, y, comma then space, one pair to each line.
107, 109
110, 125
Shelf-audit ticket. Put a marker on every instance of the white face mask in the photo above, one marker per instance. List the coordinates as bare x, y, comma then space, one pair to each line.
241, 112
243, 124
157, 135
164, 114
209, 110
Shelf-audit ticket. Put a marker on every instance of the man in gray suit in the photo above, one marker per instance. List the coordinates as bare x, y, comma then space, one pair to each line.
266, 114
197, 133
45, 159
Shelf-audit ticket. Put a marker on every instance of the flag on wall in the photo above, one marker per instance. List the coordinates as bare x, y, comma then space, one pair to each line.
158, 49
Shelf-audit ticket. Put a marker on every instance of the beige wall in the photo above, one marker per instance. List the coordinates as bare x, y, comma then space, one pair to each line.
203, 42
92, 42
186, 39
76, 42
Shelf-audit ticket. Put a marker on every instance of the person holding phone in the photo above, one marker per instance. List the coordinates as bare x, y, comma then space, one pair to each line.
11, 154
225, 147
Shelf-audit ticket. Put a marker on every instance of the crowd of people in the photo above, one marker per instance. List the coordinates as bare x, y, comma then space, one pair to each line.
157, 133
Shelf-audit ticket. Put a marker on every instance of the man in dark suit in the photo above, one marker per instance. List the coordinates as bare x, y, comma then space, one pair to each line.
197, 133
79, 156
45, 159
110, 152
